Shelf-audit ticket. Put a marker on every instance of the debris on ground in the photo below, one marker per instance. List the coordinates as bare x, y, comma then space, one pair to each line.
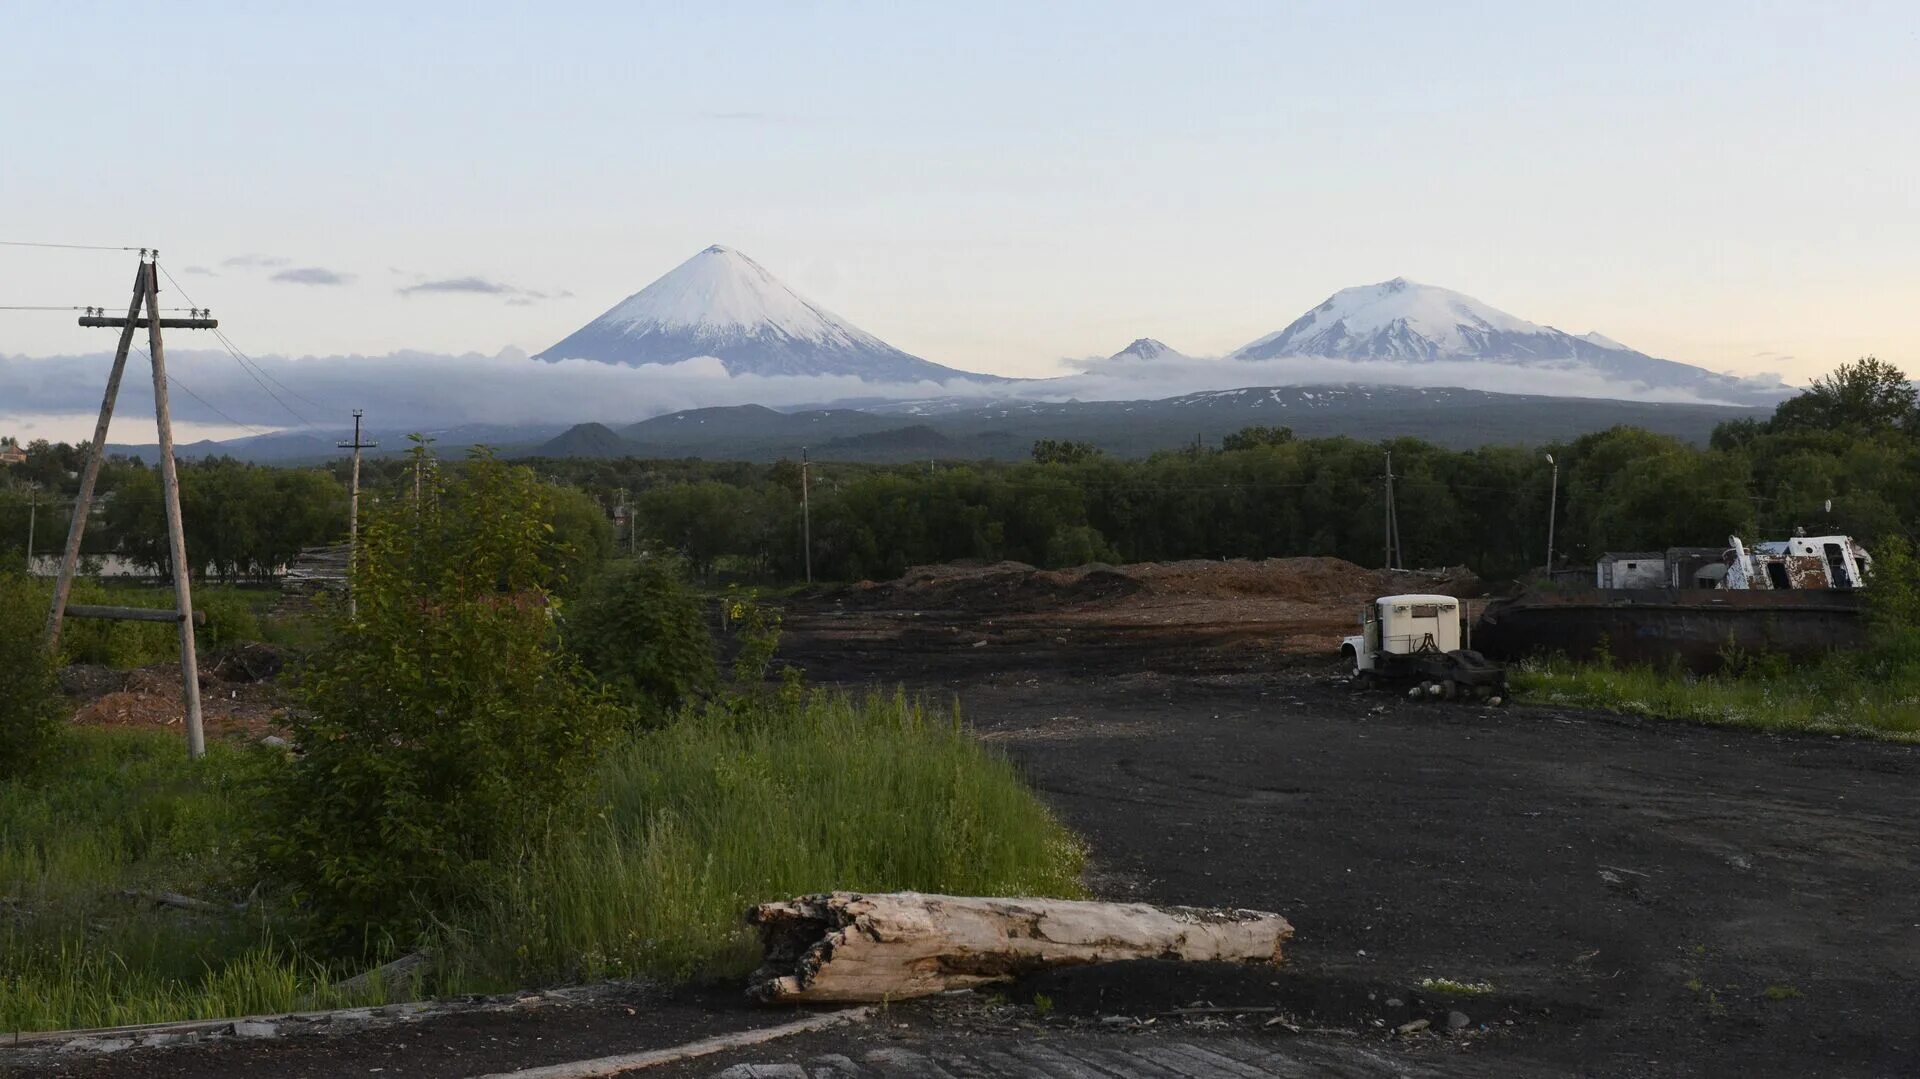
150, 698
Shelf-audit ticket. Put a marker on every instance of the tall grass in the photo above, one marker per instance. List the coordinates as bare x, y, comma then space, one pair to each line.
126, 811
702, 819
689, 825
1876, 696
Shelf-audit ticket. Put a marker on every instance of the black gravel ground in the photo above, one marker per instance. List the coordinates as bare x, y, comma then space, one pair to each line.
1641, 899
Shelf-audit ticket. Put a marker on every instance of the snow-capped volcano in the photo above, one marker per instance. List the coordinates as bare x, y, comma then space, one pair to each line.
1403, 321
723, 304
1146, 348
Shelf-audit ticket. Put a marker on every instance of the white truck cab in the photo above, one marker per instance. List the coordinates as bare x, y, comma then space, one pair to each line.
1402, 626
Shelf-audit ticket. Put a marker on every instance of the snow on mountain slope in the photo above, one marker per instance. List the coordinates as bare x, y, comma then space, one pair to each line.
1603, 341
1396, 320
1403, 321
723, 304
1147, 348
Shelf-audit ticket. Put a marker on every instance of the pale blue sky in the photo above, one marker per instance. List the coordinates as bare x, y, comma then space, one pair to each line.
991, 186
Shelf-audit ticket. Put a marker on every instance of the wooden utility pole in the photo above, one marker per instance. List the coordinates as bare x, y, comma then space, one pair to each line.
176, 528
146, 291
353, 508
90, 472
806, 517
1391, 530
33, 515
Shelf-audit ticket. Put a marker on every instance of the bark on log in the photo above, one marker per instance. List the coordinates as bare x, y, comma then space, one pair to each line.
396, 976
857, 947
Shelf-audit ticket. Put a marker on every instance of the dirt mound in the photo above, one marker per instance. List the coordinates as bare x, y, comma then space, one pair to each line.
1304, 579
151, 699
1004, 587
87, 681
994, 587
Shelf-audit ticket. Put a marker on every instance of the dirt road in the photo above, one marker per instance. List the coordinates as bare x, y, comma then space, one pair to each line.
1643, 898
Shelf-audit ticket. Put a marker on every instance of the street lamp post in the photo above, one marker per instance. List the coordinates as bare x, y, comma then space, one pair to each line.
1553, 504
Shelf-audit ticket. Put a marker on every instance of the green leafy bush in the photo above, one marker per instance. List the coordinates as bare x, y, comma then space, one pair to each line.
444, 725
29, 691
230, 619
640, 630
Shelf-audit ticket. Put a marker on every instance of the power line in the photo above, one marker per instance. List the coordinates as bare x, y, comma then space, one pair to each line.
235, 349
68, 247
173, 380
252, 367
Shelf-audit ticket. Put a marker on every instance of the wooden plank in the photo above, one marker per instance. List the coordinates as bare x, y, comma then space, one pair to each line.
176, 529
83, 502
653, 1058
130, 614
111, 322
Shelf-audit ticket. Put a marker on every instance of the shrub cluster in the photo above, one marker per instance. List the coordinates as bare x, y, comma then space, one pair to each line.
443, 725
29, 689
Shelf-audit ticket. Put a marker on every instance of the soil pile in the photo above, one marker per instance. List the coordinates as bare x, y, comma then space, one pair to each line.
1015, 587
150, 698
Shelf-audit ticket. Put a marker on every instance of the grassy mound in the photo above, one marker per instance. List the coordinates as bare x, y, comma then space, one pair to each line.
1842, 695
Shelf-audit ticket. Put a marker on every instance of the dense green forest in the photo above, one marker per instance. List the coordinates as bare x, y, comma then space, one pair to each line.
1841, 457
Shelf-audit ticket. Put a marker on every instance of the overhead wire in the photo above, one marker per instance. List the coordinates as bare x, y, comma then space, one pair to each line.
69, 247
252, 367
173, 380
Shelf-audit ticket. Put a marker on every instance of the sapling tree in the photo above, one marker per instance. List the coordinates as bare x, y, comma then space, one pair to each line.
443, 725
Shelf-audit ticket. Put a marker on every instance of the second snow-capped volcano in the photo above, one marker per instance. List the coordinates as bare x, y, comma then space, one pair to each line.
723, 304
1405, 322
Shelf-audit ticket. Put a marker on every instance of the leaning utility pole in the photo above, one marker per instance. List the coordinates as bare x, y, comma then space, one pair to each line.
806, 517
353, 508
33, 514
146, 292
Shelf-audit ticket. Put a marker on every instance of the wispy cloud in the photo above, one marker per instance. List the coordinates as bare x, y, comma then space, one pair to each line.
311, 275
255, 262
480, 286
459, 284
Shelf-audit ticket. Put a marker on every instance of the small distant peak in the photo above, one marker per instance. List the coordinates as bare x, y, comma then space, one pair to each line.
1398, 284
1146, 348
719, 249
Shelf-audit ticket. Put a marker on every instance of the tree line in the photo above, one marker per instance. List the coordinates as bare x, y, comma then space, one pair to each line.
1841, 457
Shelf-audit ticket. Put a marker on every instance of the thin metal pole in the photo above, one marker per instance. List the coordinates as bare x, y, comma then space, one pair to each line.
90, 473
806, 516
176, 528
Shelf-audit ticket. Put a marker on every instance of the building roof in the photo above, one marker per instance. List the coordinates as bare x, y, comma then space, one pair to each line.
1638, 556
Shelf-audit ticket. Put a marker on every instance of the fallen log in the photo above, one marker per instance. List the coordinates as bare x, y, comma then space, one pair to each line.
397, 976
855, 947
181, 902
